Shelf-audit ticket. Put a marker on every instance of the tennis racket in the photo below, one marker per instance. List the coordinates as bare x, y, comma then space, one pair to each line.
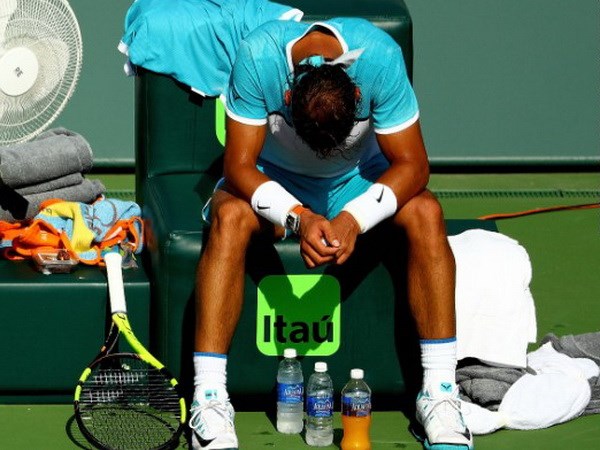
127, 401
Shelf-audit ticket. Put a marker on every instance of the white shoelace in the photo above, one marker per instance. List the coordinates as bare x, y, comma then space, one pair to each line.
447, 409
208, 414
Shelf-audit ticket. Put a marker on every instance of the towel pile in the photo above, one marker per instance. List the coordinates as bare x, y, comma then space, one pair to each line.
495, 311
555, 388
51, 166
87, 231
502, 384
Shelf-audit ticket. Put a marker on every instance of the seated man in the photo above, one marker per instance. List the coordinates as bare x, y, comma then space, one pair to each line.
323, 140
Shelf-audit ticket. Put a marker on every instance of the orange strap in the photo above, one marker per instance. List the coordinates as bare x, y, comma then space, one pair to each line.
33, 238
124, 230
538, 211
39, 236
298, 209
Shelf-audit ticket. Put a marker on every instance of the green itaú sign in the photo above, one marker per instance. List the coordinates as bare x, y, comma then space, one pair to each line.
298, 311
220, 122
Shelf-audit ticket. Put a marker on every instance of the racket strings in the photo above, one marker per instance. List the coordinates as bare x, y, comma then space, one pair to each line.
128, 404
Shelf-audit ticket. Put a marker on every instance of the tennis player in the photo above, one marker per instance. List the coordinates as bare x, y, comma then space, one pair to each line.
323, 141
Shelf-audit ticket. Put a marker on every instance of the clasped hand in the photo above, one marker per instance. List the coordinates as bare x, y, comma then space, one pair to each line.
323, 241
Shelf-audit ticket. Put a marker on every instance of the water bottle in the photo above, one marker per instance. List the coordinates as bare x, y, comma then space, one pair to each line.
319, 407
290, 394
356, 412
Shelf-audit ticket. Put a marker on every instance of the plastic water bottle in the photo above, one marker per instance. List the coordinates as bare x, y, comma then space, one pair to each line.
356, 412
319, 407
290, 394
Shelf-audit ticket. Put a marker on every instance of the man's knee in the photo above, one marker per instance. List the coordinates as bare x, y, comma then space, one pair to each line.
422, 214
233, 215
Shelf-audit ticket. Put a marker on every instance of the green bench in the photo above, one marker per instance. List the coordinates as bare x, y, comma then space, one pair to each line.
53, 325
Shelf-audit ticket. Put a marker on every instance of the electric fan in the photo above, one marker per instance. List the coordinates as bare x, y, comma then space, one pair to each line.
40, 62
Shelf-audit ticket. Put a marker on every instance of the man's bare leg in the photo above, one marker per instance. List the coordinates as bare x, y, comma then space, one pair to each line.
219, 300
431, 287
431, 268
220, 274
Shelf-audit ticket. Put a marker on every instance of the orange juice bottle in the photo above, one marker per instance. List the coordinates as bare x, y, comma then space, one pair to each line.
356, 413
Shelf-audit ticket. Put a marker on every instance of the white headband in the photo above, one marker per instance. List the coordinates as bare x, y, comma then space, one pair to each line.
346, 59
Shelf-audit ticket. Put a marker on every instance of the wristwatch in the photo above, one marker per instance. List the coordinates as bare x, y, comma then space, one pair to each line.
292, 220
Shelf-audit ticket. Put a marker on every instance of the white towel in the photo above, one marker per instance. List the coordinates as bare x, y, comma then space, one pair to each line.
495, 312
557, 393
547, 360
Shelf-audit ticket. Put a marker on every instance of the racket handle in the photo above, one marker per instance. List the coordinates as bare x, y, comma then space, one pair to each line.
116, 290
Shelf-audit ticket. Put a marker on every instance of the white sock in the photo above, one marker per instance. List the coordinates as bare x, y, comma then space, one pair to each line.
438, 357
210, 368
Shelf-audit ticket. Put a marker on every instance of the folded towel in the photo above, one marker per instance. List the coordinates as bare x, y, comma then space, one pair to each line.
53, 154
495, 312
15, 207
51, 185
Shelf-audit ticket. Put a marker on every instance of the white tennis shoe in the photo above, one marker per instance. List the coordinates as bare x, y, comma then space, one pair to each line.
438, 411
212, 420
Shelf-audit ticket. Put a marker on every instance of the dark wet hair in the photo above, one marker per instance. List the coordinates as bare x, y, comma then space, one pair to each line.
323, 107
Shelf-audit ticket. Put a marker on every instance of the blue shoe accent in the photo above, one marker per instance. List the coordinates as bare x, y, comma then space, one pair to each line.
419, 433
428, 446
446, 387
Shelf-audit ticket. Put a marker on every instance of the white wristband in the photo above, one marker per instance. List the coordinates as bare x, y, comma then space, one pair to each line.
271, 201
375, 205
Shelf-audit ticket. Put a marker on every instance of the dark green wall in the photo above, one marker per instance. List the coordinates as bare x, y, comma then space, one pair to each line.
101, 108
508, 81
511, 81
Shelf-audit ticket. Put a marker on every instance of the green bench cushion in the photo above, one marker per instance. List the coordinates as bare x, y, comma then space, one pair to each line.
53, 325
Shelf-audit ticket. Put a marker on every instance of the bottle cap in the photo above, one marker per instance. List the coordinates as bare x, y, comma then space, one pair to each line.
320, 366
290, 353
357, 374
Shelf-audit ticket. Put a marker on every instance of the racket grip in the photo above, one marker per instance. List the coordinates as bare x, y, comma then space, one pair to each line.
116, 290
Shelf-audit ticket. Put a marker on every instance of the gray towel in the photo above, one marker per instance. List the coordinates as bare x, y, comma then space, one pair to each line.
51, 185
53, 154
486, 385
585, 345
14, 207
593, 406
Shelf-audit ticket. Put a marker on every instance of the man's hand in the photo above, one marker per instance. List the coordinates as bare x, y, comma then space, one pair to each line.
318, 243
347, 229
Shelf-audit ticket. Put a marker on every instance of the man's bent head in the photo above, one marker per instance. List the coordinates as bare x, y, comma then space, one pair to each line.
323, 104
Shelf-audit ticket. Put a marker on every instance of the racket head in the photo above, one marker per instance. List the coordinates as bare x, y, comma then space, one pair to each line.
123, 402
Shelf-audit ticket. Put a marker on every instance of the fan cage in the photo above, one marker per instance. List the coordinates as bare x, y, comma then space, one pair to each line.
49, 29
